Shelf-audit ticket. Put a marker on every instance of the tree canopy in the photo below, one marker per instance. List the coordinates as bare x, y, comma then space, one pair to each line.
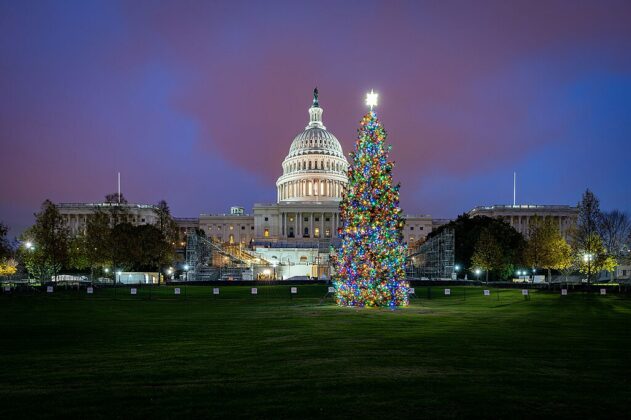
546, 247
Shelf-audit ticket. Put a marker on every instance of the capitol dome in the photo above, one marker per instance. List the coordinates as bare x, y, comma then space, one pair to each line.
315, 168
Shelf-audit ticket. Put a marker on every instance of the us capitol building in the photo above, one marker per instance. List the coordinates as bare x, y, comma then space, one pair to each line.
298, 230
300, 227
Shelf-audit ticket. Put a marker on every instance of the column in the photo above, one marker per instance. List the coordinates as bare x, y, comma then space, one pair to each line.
284, 224
299, 233
321, 225
311, 225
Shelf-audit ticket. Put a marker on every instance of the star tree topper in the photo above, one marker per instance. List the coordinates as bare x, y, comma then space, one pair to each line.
371, 99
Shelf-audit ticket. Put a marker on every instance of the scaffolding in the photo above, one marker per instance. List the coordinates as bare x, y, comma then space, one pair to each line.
434, 258
208, 259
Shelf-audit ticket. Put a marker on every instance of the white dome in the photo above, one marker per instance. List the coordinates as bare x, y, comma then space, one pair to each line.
315, 168
315, 140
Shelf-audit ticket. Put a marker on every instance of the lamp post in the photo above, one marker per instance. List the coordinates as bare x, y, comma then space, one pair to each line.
456, 269
186, 268
274, 264
477, 273
116, 277
587, 258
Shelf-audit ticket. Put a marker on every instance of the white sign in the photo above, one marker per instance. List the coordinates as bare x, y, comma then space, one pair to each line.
331, 289
176, 290
524, 292
133, 291
49, 289
411, 291
603, 291
563, 292
487, 293
294, 290
215, 290
90, 290
447, 292
255, 291
7, 288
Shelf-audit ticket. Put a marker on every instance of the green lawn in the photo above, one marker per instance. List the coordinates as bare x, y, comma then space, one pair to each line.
195, 355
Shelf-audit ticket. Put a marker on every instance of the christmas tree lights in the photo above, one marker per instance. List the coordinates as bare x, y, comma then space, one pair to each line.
370, 262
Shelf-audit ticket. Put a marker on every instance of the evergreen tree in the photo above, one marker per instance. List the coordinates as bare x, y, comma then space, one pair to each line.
370, 262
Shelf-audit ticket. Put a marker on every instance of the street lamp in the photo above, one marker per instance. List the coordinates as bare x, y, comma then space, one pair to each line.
587, 258
118, 274
186, 268
274, 264
477, 273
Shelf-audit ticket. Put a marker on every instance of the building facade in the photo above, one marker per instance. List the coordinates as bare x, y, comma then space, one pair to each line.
521, 216
75, 215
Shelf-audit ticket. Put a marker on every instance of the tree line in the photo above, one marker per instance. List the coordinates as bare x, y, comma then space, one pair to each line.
107, 243
598, 242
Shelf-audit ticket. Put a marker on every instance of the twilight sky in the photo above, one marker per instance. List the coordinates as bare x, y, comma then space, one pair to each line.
197, 102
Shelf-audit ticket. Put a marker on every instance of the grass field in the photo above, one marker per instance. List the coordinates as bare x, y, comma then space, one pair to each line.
159, 355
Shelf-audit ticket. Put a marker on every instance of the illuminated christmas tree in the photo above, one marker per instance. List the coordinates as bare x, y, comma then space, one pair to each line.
370, 262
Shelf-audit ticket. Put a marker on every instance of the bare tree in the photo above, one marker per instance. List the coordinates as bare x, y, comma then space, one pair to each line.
614, 227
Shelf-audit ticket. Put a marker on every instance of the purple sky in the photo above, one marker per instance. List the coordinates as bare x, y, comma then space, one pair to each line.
197, 102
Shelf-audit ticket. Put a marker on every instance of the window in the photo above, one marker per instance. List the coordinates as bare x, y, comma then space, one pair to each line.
411, 227
327, 219
251, 227
317, 219
306, 219
420, 228
327, 233
291, 219
231, 227
266, 219
231, 238
306, 233
266, 233
316, 232
143, 220
242, 227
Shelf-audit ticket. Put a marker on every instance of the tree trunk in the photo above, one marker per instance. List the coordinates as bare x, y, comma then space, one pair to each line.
487, 276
